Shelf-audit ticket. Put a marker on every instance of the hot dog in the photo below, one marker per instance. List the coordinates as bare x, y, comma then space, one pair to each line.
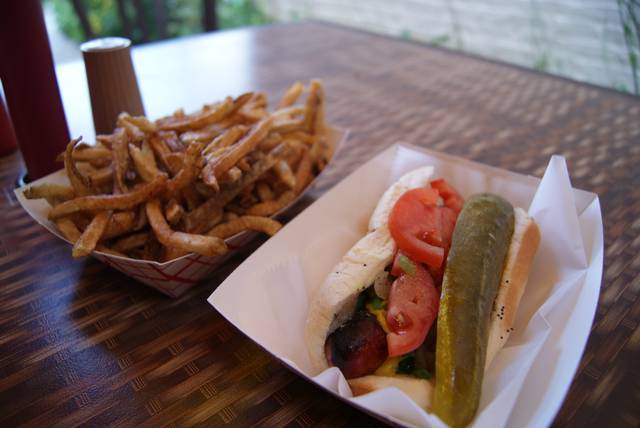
430, 292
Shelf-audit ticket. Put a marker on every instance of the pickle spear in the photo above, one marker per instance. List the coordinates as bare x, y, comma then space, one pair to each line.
476, 259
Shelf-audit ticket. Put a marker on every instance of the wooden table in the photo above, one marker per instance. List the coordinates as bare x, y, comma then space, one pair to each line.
82, 344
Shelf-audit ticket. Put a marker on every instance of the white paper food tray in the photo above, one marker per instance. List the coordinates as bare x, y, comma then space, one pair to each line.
267, 296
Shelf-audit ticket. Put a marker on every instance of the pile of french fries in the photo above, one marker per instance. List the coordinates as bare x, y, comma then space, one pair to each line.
157, 190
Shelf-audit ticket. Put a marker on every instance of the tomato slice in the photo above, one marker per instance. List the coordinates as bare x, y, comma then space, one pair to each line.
396, 268
448, 218
413, 307
415, 226
450, 196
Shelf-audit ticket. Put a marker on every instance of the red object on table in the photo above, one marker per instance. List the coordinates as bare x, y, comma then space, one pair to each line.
30, 86
7, 134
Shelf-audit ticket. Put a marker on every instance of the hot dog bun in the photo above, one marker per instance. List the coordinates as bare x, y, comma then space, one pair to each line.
335, 300
419, 390
524, 243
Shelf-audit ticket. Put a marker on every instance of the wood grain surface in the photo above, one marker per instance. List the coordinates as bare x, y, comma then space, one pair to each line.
81, 344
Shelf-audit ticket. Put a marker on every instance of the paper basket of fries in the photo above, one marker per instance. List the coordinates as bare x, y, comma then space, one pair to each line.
167, 201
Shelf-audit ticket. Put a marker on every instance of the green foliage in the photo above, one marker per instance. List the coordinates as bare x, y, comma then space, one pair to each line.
440, 40
621, 87
629, 11
239, 13
67, 19
183, 17
541, 63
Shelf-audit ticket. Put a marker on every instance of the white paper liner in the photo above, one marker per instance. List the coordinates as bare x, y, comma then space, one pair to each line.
267, 297
174, 277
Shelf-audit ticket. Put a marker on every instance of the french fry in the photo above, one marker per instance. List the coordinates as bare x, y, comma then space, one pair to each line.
173, 212
271, 207
240, 102
194, 122
152, 249
229, 192
68, 229
141, 218
299, 136
253, 115
147, 154
235, 209
202, 218
284, 173
172, 141
246, 200
203, 135
188, 173
100, 177
205, 191
264, 192
292, 95
105, 140
71, 232
159, 147
134, 134
119, 224
191, 198
144, 165
227, 216
242, 147
201, 244
254, 109
126, 244
289, 112
244, 165
78, 181
318, 152
297, 150
133, 131
50, 192
233, 120
303, 173
314, 114
91, 153
91, 235
226, 139
120, 159
240, 224
173, 162
272, 140
287, 125
81, 220
121, 201
140, 122
232, 175
209, 178
257, 100
171, 253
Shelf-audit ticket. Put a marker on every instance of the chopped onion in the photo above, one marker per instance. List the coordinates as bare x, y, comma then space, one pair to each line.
382, 285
